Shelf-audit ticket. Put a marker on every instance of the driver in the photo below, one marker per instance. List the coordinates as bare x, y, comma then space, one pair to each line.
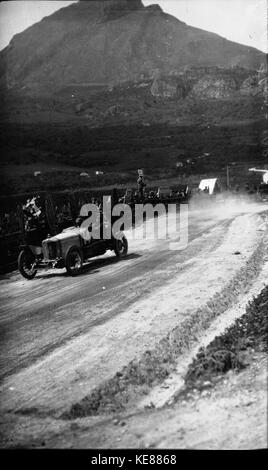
35, 224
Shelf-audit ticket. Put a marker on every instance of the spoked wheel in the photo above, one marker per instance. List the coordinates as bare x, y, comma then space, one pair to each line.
27, 265
74, 261
121, 247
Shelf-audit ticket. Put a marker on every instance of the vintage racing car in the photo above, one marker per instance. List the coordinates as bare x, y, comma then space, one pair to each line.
68, 249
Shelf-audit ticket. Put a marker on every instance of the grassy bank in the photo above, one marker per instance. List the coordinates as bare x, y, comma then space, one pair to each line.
230, 350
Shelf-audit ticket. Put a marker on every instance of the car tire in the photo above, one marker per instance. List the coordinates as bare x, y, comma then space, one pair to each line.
25, 266
74, 261
121, 247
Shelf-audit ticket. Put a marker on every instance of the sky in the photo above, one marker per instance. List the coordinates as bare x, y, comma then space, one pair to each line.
243, 21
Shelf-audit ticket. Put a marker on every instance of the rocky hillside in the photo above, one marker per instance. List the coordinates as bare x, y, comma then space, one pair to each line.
209, 83
194, 95
114, 41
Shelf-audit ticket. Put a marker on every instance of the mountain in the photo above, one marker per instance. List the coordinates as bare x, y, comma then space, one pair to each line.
113, 41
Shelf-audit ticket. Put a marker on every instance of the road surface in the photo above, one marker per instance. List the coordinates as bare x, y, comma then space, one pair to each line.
62, 336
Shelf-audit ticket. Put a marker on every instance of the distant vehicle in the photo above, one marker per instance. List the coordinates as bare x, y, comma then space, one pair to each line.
98, 172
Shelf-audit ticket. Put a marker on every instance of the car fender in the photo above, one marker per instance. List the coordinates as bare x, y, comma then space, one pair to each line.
77, 247
27, 250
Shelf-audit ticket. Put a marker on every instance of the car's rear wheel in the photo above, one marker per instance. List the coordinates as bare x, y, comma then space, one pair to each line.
74, 261
121, 247
27, 265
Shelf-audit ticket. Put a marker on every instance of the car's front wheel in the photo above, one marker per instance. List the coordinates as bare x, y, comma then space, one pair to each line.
74, 261
27, 265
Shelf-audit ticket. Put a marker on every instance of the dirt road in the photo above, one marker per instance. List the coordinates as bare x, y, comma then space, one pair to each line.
41, 315
62, 337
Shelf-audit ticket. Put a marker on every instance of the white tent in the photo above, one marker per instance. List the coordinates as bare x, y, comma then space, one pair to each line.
209, 183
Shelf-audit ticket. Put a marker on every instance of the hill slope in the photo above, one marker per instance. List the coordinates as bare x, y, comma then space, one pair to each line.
110, 42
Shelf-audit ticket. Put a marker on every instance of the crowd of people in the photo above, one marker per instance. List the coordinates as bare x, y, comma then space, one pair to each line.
34, 209
9, 222
153, 196
66, 211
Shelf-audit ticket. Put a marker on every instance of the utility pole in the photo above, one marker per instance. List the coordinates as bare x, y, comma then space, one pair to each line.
227, 176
